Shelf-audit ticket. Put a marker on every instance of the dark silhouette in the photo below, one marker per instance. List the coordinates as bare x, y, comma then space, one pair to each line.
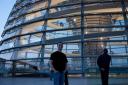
103, 62
35, 68
58, 63
66, 78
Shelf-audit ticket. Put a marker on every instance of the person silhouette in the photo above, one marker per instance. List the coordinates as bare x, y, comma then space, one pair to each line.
58, 63
103, 62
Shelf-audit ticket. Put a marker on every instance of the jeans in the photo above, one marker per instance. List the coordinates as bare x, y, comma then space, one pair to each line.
58, 78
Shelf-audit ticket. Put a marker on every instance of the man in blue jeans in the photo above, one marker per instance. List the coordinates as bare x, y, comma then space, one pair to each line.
58, 63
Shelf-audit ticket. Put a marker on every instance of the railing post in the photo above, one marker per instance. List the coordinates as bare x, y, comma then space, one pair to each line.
13, 68
82, 37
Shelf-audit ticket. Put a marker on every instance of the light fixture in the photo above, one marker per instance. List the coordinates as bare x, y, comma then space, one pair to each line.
102, 30
101, 38
86, 32
74, 19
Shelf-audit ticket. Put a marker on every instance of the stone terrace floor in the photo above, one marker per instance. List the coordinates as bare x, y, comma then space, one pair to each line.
72, 81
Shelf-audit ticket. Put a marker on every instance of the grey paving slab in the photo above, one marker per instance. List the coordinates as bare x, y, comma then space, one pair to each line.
72, 81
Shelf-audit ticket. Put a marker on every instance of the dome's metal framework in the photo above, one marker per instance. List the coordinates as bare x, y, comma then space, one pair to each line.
85, 27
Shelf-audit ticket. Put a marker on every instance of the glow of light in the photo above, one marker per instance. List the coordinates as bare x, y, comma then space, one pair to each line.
102, 45
86, 32
74, 19
101, 38
102, 30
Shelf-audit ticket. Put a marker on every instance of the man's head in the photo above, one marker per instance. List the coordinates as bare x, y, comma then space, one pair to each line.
105, 51
60, 46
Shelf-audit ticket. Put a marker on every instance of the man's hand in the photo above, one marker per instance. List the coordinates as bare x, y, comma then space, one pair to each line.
102, 69
55, 70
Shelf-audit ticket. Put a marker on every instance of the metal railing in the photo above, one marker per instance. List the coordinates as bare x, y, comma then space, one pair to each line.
37, 66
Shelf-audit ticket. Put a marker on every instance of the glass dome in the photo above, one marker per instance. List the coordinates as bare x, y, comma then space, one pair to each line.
86, 27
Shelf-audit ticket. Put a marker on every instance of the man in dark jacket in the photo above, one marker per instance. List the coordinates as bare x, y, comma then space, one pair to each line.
103, 62
58, 64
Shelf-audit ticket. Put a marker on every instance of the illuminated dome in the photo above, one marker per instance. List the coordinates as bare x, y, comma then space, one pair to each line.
34, 27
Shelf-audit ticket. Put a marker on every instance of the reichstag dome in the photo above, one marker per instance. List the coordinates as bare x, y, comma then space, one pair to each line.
86, 27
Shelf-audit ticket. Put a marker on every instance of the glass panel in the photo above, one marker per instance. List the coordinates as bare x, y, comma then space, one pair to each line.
62, 34
24, 39
56, 2
65, 11
40, 5
19, 20
43, 12
74, 64
35, 37
69, 22
98, 15
102, 8
7, 44
119, 61
6, 55
32, 16
34, 27
32, 52
63, 2
10, 34
21, 54
118, 50
57, 24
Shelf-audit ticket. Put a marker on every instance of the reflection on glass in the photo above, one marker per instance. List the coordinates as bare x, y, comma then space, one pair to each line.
35, 38
24, 40
32, 16
34, 27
